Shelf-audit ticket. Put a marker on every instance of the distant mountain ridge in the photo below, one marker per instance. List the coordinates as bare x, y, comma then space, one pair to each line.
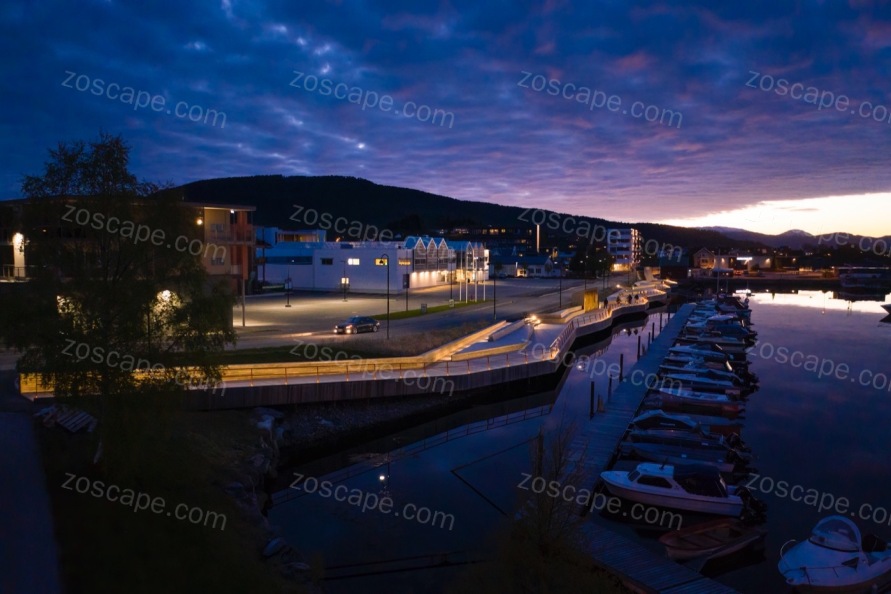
794, 238
409, 211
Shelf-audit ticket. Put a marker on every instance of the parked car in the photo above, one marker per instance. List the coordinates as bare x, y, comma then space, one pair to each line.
357, 324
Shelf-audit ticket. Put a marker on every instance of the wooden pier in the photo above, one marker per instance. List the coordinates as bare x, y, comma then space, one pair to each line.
595, 448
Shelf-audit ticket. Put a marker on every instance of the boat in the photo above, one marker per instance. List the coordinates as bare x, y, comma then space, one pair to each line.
836, 559
887, 307
681, 399
695, 488
724, 460
711, 362
712, 539
726, 332
710, 425
694, 438
718, 322
731, 344
705, 349
712, 370
707, 380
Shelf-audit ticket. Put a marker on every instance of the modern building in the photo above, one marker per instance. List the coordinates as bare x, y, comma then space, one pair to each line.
625, 246
361, 266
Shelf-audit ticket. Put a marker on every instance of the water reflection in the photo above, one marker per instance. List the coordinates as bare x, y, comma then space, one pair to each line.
466, 465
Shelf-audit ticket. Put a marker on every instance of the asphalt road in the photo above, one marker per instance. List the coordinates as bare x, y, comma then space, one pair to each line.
270, 323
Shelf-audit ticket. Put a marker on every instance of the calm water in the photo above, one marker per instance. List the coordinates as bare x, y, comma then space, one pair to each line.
822, 433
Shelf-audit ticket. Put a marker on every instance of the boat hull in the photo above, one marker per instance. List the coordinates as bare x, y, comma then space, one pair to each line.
723, 507
711, 540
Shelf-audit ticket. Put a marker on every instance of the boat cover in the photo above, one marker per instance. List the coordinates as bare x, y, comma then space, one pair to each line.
838, 533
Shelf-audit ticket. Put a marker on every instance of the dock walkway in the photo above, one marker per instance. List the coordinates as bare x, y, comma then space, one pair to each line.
595, 448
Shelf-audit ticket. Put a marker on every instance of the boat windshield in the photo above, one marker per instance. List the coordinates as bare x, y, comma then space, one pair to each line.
836, 532
632, 476
708, 484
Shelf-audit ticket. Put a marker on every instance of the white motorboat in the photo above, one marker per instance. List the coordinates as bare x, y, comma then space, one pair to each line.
717, 321
718, 361
700, 368
731, 344
837, 559
707, 380
691, 487
692, 347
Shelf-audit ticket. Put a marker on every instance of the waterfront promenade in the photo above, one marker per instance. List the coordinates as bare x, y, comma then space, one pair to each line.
500, 354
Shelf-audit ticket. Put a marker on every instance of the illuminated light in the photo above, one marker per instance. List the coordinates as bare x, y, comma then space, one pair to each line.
18, 239
164, 295
200, 221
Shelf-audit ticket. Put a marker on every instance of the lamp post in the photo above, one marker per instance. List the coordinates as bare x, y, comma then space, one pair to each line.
560, 276
494, 296
585, 275
386, 258
288, 285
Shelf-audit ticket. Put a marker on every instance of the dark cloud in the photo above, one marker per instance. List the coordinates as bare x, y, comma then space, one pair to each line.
735, 146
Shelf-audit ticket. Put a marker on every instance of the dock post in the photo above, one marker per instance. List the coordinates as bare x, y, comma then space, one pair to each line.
591, 404
621, 367
609, 390
638, 347
660, 321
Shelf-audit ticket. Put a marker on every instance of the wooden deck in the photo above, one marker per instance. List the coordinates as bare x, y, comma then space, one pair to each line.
624, 557
594, 450
596, 443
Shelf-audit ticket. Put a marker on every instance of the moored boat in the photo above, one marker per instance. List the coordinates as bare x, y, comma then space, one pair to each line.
709, 424
837, 559
726, 460
711, 539
688, 400
693, 488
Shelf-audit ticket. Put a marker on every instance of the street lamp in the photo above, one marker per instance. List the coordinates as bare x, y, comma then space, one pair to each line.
560, 276
288, 285
386, 258
494, 296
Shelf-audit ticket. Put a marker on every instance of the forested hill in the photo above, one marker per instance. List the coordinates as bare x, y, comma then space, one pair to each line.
403, 210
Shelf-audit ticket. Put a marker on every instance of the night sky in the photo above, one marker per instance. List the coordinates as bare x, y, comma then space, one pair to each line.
728, 147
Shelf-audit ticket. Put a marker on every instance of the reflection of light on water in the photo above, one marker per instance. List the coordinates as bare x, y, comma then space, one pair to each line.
825, 300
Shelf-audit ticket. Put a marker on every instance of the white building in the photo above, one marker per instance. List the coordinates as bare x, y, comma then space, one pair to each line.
625, 246
361, 266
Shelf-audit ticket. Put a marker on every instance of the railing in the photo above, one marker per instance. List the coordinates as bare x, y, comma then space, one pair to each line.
9, 271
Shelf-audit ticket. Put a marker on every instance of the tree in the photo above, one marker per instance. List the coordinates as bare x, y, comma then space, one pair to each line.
542, 549
108, 301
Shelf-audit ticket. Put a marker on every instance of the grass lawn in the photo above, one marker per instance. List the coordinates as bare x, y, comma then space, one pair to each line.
107, 547
413, 313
